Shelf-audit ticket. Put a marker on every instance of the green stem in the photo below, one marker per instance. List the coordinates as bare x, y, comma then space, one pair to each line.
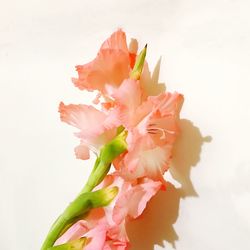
87, 200
54, 232
76, 209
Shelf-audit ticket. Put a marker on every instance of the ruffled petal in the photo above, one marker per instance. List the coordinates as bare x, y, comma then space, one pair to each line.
111, 66
75, 232
127, 99
96, 127
117, 41
151, 138
96, 237
86, 118
133, 201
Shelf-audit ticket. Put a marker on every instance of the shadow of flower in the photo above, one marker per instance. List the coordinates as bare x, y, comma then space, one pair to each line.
150, 82
186, 154
156, 224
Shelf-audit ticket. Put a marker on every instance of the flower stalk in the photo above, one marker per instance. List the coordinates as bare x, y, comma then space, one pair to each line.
77, 209
87, 199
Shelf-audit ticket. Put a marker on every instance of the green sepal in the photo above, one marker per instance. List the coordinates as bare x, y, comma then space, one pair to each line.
86, 201
72, 245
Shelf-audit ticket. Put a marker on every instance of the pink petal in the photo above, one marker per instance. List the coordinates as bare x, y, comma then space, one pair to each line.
115, 245
133, 202
97, 237
150, 139
116, 41
110, 67
86, 118
82, 152
96, 127
76, 231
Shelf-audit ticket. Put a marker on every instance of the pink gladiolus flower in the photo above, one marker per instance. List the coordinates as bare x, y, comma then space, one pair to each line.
105, 227
135, 131
151, 121
112, 65
96, 127
97, 230
152, 129
132, 197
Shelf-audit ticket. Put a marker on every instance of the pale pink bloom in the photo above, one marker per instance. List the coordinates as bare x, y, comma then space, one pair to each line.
152, 129
97, 230
132, 197
96, 128
132, 202
111, 66
105, 227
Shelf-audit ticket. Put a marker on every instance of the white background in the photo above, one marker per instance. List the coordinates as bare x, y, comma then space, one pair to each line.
205, 50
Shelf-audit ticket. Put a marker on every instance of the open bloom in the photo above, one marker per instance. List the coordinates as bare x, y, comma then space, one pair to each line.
105, 227
97, 230
152, 129
96, 128
135, 130
111, 66
152, 126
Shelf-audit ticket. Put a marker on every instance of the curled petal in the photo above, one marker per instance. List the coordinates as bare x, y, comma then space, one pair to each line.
96, 237
76, 231
111, 66
86, 118
96, 127
82, 152
133, 201
151, 138
116, 41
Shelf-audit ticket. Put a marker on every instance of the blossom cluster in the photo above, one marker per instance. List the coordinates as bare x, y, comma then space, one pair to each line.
128, 104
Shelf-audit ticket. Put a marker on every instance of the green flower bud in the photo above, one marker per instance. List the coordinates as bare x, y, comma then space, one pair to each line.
139, 63
72, 245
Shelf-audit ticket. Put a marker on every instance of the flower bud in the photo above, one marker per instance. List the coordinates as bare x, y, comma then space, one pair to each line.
139, 63
72, 245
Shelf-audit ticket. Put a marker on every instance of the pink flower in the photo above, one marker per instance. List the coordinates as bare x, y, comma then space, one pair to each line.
96, 127
152, 129
111, 66
132, 197
149, 124
97, 230
105, 227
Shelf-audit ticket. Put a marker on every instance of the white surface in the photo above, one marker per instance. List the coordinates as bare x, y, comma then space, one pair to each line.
205, 55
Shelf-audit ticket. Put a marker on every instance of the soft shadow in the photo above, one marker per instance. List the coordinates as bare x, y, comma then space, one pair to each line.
150, 82
156, 224
186, 154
